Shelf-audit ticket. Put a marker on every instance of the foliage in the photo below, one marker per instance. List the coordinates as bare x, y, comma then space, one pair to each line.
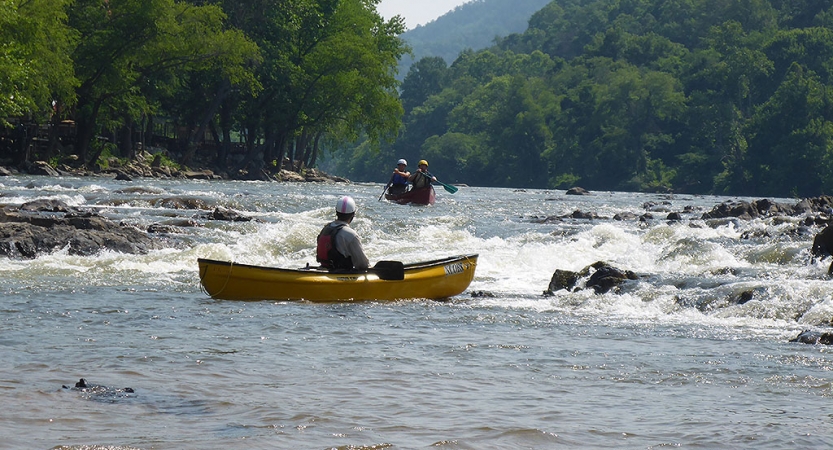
34, 58
473, 25
701, 96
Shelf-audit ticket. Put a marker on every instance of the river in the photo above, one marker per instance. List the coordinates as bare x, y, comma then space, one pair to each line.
668, 361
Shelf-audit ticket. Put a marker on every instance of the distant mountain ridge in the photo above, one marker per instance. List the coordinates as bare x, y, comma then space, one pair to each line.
473, 25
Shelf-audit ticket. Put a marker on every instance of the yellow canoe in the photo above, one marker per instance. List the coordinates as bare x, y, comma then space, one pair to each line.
436, 279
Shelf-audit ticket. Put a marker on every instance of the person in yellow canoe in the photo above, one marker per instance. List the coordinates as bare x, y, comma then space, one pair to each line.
338, 245
421, 178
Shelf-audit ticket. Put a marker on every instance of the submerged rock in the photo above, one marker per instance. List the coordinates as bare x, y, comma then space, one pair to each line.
814, 337
100, 393
600, 276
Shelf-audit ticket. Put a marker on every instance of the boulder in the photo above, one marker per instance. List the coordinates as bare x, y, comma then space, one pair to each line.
221, 213
823, 243
740, 209
814, 337
600, 276
29, 233
577, 191
607, 277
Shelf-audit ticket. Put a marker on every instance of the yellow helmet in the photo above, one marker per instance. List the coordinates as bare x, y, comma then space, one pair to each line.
422, 161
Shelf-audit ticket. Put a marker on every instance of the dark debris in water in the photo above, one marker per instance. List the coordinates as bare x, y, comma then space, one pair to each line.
99, 392
480, 294
814, 337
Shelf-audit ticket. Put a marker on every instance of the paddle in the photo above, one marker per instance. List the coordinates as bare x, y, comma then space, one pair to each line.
386, 188
389, 270
448, 188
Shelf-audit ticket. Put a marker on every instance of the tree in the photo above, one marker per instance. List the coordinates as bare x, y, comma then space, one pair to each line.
789, 134
508, 117
425, 78
125, 46
328, 75
35, 68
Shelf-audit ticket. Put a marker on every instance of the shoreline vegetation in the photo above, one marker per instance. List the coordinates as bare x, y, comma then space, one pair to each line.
702, 97
149, 165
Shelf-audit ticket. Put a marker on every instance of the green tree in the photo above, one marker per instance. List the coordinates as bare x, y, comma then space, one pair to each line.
35, 68
425, 78
508, 115
791, 134
328, 73
127, 45
455, 155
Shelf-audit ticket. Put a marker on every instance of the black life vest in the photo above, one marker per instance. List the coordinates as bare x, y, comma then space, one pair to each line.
326, 253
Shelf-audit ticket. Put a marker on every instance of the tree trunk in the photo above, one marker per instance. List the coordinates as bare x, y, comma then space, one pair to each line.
85, 131
225, 147
191, 144
126, 141
268, 145
301, 144
54, 146
281, 144
314, 158
251, 149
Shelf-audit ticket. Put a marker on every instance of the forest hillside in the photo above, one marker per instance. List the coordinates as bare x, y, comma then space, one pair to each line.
472, 25
698, 96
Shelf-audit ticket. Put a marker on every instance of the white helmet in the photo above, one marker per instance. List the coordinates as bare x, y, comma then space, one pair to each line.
346, 205
402, 161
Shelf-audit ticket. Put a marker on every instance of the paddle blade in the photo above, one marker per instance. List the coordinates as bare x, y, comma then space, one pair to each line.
389, 270
449, 188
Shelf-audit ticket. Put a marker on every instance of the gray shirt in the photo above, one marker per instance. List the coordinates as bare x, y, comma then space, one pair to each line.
347, 243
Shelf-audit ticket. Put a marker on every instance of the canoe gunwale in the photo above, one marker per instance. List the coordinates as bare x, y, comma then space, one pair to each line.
321, 271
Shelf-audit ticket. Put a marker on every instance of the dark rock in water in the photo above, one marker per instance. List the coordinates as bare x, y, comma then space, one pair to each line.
480, 294
562, 279
814, 337
743, 297
823, 204
823, 243
578, 214
182, 203
603, 278
100, 393
577, 191
548, 219
625, 215
607, 277
46, 226
46, 205
221, 213
741, 209
40, 168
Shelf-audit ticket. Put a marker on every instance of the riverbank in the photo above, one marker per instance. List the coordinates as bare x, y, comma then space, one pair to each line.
148, 165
